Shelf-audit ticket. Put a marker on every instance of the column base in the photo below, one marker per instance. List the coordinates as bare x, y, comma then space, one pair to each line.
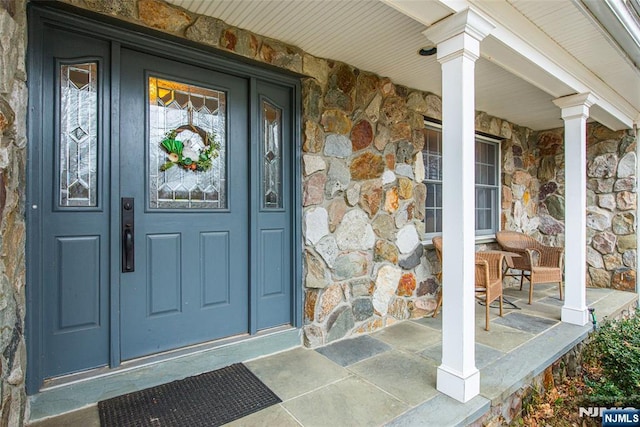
457, 387
575, 316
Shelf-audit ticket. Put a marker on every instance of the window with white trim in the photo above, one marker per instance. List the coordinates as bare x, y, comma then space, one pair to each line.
487, 161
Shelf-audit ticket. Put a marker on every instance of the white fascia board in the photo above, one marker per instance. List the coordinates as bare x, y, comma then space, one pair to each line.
618, 21
523, 37
554, 70
617, 28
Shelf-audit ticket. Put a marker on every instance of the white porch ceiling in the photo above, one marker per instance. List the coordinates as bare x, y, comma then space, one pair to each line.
384, 37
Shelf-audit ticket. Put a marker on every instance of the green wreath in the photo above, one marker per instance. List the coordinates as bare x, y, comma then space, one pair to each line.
174, 148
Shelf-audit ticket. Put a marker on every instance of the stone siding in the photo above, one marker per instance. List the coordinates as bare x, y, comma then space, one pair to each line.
611, 208
533, 199
611, 202
13, 138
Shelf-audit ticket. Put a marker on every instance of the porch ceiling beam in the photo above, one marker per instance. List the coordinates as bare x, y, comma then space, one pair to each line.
524, 38
521, 48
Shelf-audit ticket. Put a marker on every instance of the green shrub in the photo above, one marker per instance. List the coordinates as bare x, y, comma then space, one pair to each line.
615, 350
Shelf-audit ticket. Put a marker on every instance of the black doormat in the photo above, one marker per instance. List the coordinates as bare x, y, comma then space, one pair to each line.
210, 399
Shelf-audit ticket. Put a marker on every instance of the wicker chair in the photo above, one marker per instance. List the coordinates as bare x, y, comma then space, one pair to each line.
437, 244
489, 280
537, 263
488, 283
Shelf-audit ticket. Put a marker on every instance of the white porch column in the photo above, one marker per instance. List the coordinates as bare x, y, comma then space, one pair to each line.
575, 112
458, 42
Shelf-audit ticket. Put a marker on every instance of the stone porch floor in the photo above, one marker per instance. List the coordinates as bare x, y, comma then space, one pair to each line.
389, 377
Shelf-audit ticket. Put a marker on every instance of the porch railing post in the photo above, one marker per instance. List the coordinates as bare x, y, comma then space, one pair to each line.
575, 112
458, 42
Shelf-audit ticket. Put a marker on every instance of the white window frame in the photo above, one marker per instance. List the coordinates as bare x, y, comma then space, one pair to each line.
485, 235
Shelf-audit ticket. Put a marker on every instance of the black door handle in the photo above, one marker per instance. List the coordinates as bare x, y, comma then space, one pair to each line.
128, 250
128, 236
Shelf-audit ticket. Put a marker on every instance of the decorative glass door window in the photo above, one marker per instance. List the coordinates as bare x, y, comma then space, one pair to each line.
272, 155
187, 146
78, 149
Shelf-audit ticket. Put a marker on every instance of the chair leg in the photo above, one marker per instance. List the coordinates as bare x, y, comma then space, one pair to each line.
435, 312
500, 299
521, 278
486, 308
561, 291
530, 291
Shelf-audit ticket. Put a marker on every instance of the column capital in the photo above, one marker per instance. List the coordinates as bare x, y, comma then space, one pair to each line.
467, 21
577, 105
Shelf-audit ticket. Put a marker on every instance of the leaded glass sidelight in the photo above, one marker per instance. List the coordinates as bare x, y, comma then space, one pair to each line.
187, 146
78, 150
272, 155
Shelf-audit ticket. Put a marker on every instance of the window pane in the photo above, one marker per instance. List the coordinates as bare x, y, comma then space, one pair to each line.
479, 199
430, 221
431, 196
187, 146
491, 154
434, 195
491, 175
438, 191
78, 135
272, 155
481, 220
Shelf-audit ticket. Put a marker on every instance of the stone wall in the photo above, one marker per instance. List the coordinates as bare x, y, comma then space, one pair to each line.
611, 202
13, 113
533, 198
364, 203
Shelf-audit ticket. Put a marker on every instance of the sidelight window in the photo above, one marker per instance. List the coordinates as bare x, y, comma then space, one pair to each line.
272, 155
78, 148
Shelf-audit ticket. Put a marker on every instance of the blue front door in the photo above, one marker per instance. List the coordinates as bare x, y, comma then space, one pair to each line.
189, 278
165, 196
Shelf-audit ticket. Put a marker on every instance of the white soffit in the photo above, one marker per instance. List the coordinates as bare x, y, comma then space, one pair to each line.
367, 34
383, 36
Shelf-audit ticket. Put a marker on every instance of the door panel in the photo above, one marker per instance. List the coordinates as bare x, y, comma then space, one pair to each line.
273, 210
74, 207
187, 288
215, 247
164, 274
78, 260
